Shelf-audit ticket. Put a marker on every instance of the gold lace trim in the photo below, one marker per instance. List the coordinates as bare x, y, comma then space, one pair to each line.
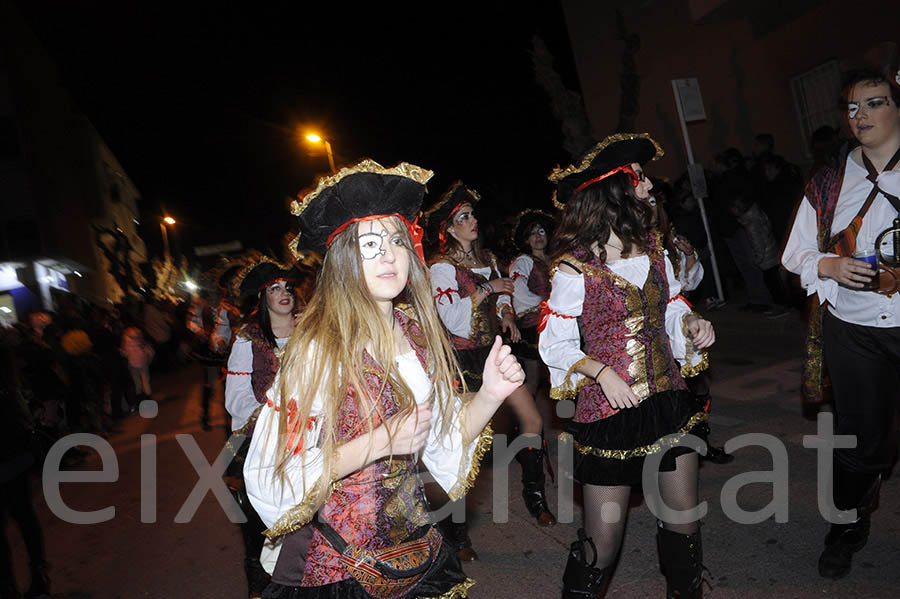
403, 169
624, 454
459, 591
688, 370
466, 482
567, 390
297, 516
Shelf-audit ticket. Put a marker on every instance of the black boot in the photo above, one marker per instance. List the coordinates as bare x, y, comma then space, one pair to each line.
843, 540
681, 562
532, 461
456, 534
582, 580
717, 455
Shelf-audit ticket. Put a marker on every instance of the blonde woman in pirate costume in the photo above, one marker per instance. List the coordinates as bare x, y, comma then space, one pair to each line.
252, 365
609, 272
475, 304
530, 274
854, 332
365, 391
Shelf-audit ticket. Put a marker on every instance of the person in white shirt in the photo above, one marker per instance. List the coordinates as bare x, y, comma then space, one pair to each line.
367, 389
474, 302
612, 330
854, 332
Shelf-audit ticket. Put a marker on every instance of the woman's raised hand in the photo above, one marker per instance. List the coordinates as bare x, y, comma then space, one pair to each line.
408, 432
617, 391
502, 372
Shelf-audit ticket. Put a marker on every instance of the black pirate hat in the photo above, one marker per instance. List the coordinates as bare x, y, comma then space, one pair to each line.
255, 276
610, 154
525, 220
450, 201
361, 192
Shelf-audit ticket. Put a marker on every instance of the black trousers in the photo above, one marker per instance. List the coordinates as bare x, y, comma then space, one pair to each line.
864, 366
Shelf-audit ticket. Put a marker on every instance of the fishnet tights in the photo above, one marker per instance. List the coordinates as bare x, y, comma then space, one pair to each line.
606, 508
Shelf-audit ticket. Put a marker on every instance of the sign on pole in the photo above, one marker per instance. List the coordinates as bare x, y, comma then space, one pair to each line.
690, 108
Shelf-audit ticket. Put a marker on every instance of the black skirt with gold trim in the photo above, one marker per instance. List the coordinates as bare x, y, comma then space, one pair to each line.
471, 362
611, 451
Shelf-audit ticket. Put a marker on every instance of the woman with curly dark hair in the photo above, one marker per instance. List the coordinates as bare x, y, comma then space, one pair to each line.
610, 272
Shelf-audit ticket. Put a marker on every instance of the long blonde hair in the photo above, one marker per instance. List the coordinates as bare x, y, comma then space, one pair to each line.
325, 353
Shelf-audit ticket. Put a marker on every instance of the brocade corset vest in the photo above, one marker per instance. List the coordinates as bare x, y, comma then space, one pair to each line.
484, 324
624, 327
380, 505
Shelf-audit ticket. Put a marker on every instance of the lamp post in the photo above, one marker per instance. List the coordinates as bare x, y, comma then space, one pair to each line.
312, 137
168, 220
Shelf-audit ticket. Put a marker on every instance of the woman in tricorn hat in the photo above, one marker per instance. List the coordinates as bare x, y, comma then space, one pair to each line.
611, 278
252, 365
366, 390
474, 302
530, 274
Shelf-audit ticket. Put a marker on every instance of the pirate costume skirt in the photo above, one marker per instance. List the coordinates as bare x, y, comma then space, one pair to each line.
471, 363
611, 451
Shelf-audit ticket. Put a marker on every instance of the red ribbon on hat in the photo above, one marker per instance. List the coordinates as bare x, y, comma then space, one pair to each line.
415, 231
626, 168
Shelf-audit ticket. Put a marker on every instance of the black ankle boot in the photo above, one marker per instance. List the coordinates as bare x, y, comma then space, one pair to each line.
681, 562
843, 540
456, 534
582, 580
717, 455
532, 461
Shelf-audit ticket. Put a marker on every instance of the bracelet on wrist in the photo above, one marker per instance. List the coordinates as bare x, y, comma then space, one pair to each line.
600, 372
486, 288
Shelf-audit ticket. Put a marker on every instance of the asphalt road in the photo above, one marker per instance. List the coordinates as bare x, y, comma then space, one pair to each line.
755, 368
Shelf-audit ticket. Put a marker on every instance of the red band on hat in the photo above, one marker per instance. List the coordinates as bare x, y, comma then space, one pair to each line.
415, 231
624, 168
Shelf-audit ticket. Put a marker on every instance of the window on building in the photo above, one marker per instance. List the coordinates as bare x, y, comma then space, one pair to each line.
817, 95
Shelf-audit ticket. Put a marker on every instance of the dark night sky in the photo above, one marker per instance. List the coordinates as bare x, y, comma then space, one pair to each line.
201, 104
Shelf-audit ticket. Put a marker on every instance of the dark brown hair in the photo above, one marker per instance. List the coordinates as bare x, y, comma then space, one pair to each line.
590, 215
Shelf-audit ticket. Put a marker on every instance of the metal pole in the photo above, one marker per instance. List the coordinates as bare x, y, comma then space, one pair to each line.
165, 236
330, 156
690, 156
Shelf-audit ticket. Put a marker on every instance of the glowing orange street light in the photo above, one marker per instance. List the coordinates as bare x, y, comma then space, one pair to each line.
169, 220
312, 137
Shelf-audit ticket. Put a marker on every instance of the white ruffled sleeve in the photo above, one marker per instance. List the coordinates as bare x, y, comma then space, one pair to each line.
221, 336
690, 278
455, 311
520, 271
240, 401
271, 498
503, 299
560, 342
453, 463
802, 256
692, 361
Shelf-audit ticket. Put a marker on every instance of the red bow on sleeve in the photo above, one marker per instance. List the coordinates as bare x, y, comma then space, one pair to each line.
545, 316
445, 293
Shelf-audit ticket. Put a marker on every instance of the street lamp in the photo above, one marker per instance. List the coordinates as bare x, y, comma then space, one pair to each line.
312, 137
168, 220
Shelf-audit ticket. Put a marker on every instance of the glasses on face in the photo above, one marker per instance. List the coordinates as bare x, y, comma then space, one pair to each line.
875, 103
